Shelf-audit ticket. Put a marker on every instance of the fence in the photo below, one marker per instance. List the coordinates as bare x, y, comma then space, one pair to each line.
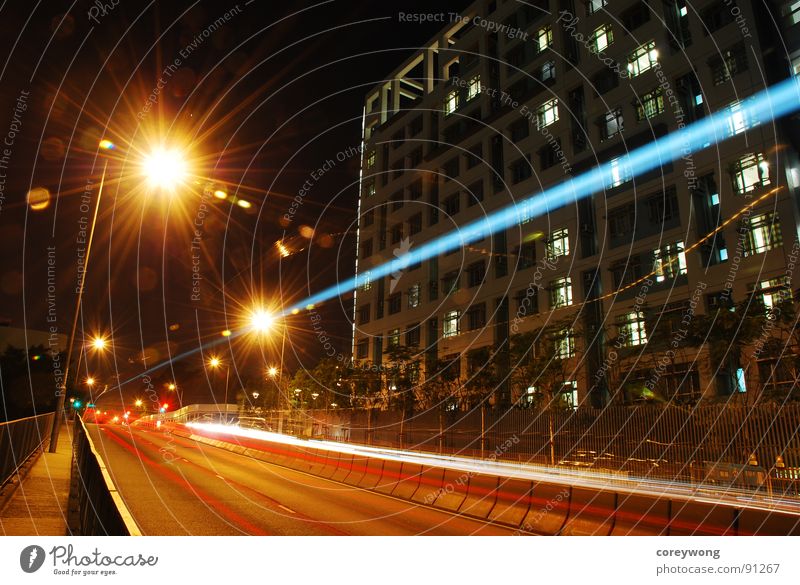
744, 446
100, 509
19, 439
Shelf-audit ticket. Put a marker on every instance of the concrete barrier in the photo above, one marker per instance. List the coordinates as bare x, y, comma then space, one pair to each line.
765, 523
543, 508
430, 485
591, 513
701, 519
409, 481
373, 473
343, 469
357, 469
641, 516
453, 492
549, 509
389, 477
331, 463
481, 496
513, 502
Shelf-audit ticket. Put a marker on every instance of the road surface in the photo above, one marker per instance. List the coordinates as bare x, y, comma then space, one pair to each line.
176, 486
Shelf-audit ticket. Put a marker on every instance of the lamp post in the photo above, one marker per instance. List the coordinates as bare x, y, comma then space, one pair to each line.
164, 169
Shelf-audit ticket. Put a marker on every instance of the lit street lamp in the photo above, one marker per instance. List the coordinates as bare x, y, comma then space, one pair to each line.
162, 168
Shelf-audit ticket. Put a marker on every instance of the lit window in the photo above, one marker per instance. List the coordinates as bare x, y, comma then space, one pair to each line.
739, 121
642, 59
558, 244
750, 172
371, 189
413, 296
651, 104
762, 233
612, 124
451, 323
569, 394
669, 261
394, 338
547, 113
451, 103
602, 37
544, 38
774, 291
525, 213
684, 11
631, 329
474, 87
367, 282
565, 344
593, 6
547, 71
794, 12
561, 292
371, 159
620, 172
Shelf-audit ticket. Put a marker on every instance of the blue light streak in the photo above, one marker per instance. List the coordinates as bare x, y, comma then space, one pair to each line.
769, 104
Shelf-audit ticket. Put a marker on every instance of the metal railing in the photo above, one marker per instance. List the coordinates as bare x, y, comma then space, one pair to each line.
19, 440
100, 508
751, 447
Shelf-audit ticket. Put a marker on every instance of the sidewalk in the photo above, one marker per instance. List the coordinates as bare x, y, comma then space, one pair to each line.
38, 506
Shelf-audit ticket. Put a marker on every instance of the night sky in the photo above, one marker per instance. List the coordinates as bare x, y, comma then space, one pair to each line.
259, 94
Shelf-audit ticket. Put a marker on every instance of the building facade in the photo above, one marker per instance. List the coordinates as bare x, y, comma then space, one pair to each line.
512, 98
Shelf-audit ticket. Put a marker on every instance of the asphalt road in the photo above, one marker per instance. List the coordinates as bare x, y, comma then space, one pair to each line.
176, 486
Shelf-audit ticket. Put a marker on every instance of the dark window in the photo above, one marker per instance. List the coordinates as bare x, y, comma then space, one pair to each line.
450, 169
366, 248
549, 154
369, 217
527, 301
397, 233
415, 224
515, 59
452, 204
433, 209
450, 282
362, 349
474, 156
395, 303
398, 138
397, 200
626, 271
520, 170
475, 193
718, 15
476, 272
663, 208
415, 127
415, 190
415, 157
412, 335
476, 316
519, 130
731, 62
363, 314
635, 16
397, 169
605, 81
526, 254
622, 221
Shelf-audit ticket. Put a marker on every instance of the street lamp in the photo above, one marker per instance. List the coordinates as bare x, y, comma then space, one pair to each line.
215, 363
98, 343
163, 168
272, 371
90, 382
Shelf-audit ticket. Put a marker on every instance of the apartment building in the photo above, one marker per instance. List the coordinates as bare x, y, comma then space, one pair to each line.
511, 98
